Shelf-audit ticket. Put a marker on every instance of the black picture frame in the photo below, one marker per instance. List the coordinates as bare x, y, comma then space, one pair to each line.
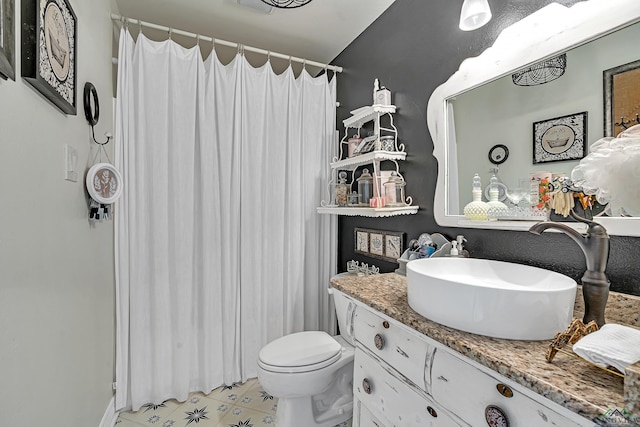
613, 126
560, 139
49, 51
7, 39
380, 244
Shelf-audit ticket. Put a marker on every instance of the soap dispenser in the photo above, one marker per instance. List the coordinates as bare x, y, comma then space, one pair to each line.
495, 205
454, 249
477, 209
462, 252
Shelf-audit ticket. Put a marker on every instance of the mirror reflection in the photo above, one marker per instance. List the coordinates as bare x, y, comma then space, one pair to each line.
545, 129
542, 129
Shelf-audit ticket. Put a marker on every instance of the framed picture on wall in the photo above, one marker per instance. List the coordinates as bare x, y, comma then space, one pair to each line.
385, 245
621, 98
7, 39
560, 138
49, 54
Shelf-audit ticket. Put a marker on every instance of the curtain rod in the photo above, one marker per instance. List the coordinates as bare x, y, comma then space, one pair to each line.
215, 41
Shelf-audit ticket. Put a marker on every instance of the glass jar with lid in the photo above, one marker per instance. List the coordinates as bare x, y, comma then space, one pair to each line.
394, 190
342, 189
365, 187
353, 199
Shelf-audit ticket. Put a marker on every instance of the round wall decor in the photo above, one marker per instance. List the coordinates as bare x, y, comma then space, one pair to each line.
104, 183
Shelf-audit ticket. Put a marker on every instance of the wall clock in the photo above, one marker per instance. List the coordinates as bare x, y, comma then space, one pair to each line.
49, 40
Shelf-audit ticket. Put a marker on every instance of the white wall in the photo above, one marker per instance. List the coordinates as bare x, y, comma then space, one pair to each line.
56, 271
503, 113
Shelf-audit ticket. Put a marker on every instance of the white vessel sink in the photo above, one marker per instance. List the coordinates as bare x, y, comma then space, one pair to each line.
493, 298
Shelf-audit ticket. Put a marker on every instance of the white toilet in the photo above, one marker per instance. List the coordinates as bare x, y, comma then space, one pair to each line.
311, 374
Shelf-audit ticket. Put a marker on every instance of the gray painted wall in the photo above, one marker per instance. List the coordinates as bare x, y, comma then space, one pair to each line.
56, 271
413, 48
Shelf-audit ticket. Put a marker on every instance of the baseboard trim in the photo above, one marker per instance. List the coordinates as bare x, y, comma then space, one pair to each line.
110, 415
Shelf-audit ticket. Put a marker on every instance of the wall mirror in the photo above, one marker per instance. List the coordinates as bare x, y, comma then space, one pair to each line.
480, 106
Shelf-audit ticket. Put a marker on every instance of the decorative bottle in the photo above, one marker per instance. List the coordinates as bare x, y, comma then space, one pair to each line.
495, 205
342, 189
477, 209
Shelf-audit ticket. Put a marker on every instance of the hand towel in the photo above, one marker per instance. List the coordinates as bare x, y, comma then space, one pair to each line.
612, 345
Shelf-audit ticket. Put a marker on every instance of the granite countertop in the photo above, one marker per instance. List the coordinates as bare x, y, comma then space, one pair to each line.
569, 381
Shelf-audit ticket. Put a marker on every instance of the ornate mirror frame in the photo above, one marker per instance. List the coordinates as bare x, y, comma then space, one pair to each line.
548, 32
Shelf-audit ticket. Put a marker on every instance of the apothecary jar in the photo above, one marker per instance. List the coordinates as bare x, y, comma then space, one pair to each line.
394, 190
365, 187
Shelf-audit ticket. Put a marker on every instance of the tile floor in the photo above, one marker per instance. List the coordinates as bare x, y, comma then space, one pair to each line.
239, 405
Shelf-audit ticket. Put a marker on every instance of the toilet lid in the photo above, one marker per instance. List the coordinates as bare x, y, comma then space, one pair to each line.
300, 352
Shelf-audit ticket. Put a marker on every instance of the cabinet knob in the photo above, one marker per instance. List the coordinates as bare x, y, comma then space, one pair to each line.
385, 324
504, 390
495, 417
378, 340
432, 412
366, 386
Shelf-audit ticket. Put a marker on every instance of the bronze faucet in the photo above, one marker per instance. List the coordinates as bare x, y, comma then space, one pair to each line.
595, 246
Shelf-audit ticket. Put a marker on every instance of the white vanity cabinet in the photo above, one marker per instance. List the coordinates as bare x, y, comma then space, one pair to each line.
360, 117
476, 395
387, 398
404, 378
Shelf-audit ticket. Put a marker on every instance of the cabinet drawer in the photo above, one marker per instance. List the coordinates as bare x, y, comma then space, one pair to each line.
408, 354
366, 418
468, 391
389, 398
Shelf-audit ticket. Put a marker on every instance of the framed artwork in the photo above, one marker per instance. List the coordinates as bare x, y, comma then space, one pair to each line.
385, 245
104, 183
376, 244
560, 138
49, 54
7, 39
621, 98
362, 241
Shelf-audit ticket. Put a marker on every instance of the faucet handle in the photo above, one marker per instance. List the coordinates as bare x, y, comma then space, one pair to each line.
593, 227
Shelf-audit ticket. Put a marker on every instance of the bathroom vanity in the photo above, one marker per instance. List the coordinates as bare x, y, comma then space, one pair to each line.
410, 371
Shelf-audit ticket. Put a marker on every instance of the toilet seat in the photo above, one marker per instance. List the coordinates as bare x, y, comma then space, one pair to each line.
300, 352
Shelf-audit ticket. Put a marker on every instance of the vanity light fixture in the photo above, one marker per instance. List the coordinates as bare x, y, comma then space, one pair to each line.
286, 4
475, 13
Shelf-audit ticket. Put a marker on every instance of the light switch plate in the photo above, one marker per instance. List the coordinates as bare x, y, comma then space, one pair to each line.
70, 162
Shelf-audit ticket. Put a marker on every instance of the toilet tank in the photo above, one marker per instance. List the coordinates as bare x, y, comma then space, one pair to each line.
345, 309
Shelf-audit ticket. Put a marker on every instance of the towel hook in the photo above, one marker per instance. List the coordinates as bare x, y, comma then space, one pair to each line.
92, 114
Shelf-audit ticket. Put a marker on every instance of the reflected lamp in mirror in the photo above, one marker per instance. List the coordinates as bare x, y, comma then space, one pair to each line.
475, 13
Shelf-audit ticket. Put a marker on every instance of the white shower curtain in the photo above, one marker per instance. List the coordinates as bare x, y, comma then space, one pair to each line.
219, 248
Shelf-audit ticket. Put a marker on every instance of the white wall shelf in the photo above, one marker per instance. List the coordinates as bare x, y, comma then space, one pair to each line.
358, 118
365, 159
366, 114
369, 212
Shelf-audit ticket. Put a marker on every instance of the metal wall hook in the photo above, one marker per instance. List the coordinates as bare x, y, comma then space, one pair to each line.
92, 110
